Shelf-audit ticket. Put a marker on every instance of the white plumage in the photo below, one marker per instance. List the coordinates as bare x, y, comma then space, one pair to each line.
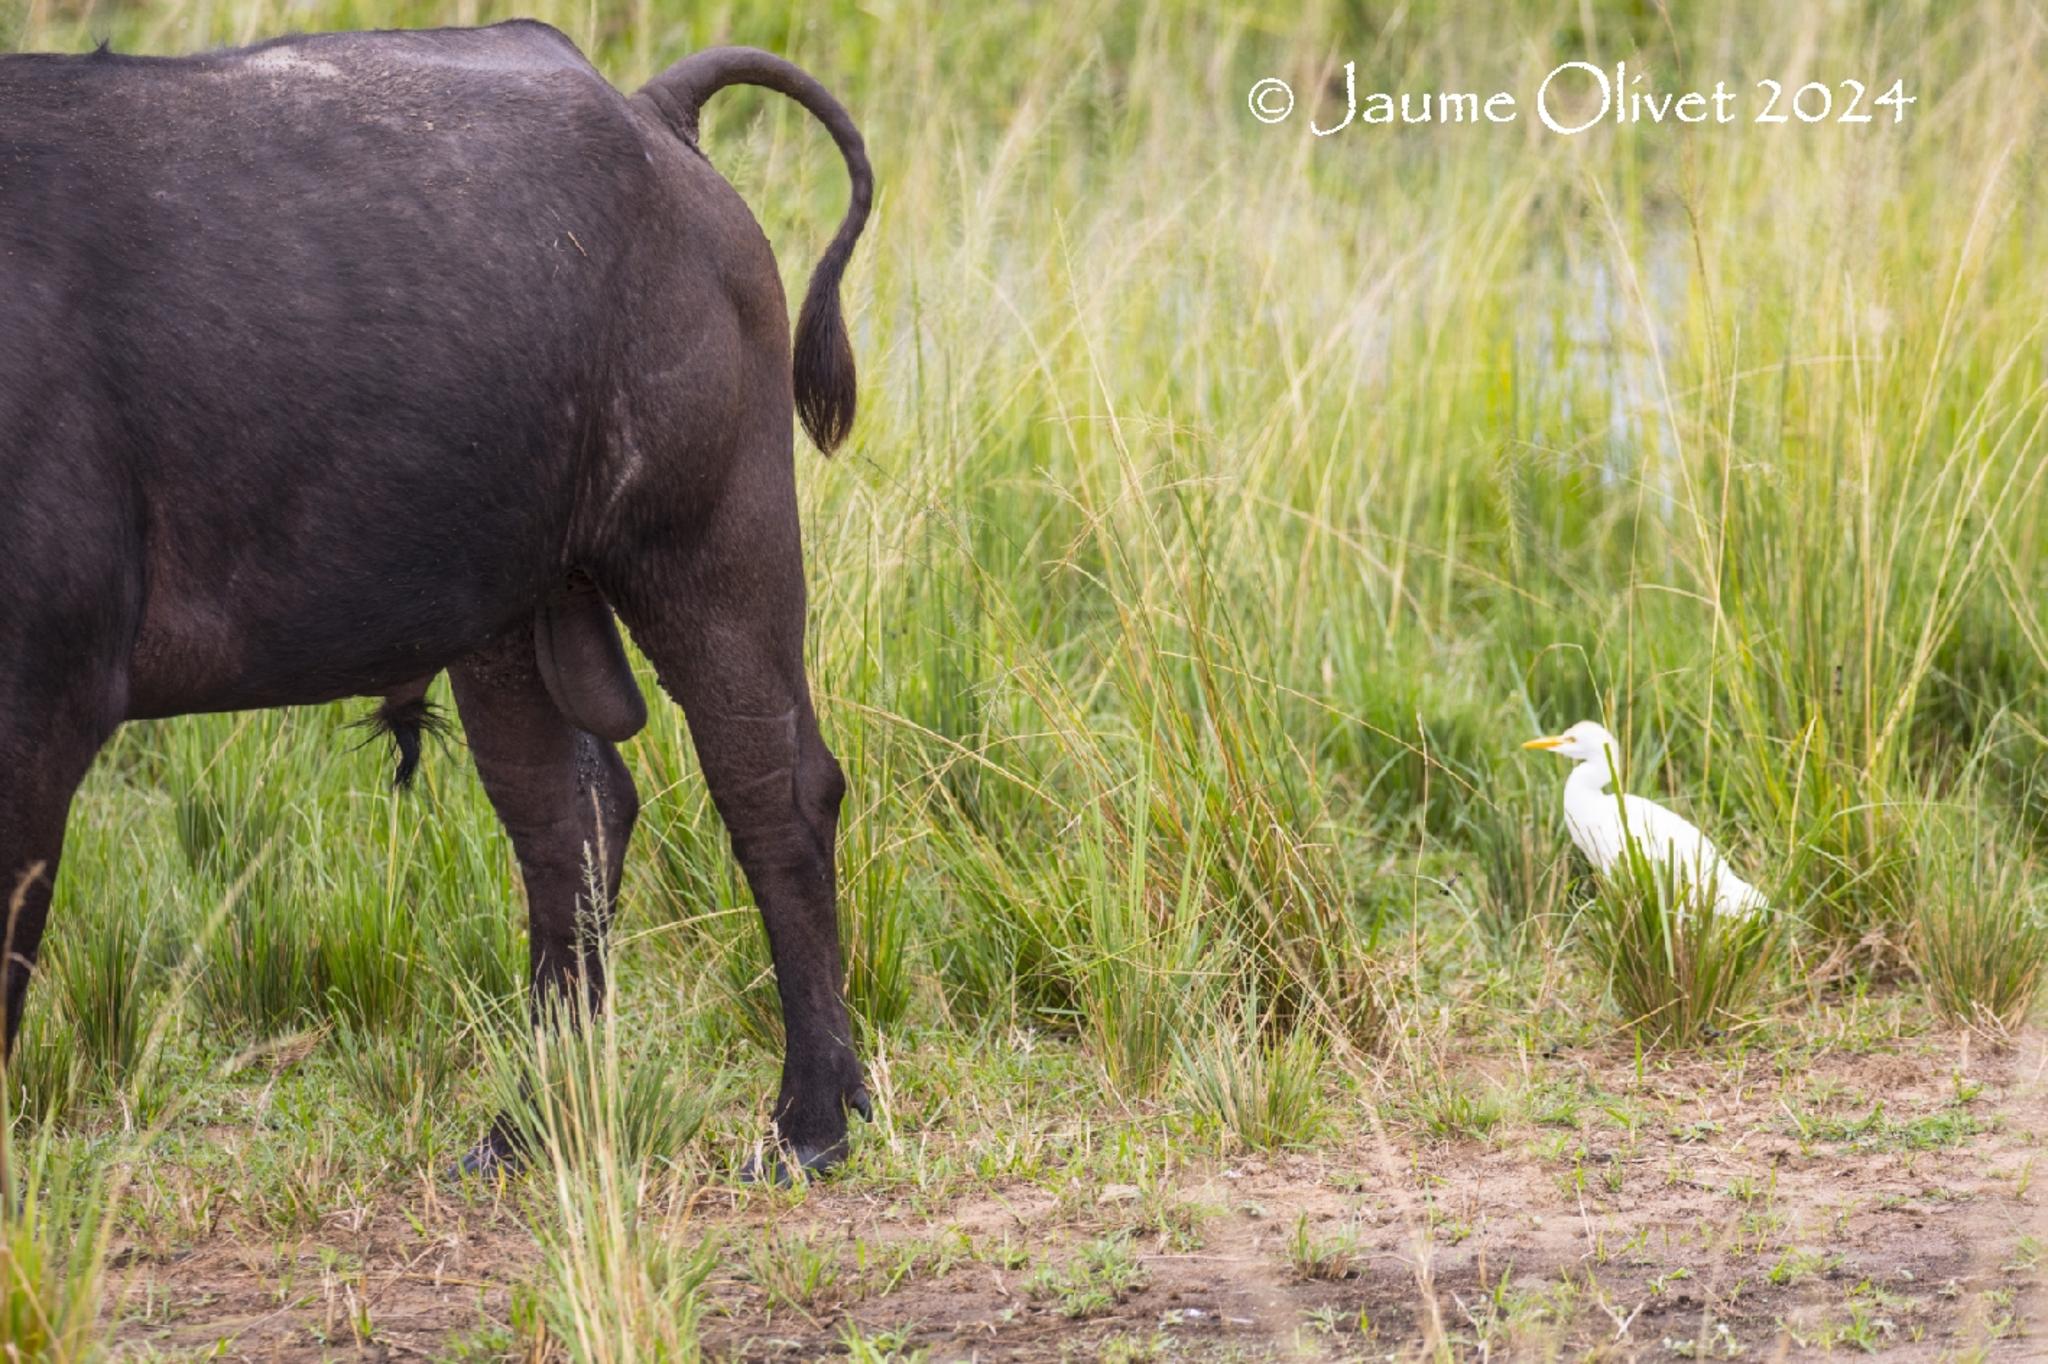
1595, 819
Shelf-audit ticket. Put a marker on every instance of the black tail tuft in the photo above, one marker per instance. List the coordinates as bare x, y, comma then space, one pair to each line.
406, 720
822, 367
823, 363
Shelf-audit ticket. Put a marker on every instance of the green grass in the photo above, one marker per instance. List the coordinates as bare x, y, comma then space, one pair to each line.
1094, 1281
53, 1241
1980, 932
1264, 1092
1320, 1257
1677, 969
1226, 505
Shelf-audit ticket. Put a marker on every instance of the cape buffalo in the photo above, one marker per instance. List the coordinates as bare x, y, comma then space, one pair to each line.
334, 362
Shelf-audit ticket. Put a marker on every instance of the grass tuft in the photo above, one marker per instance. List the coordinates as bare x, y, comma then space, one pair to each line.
1980, 934
1676, 969
1267, 1093
54, 1229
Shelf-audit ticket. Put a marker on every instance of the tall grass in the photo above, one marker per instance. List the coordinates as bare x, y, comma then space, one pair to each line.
1526, 867
1266, 1093
1980, 929
606, 1128
59, 1202
55, 1223
1286, 480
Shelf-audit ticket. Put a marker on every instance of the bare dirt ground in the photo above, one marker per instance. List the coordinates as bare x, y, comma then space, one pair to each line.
1881, 1202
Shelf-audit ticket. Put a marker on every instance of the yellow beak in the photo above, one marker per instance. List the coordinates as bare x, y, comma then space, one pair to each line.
1549, 743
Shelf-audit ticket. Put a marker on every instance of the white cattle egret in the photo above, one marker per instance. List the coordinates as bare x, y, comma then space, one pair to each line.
1600, 823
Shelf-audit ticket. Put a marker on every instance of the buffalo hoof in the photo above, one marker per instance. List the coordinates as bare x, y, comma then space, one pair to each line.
498, 1154
781, 1166
787, 1159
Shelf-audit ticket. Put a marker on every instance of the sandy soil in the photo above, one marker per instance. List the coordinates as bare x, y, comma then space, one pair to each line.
1896, 1211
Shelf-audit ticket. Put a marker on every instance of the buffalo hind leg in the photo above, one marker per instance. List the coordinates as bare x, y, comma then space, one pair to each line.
568, 804
36, 784
720, 611
47, 741
70, 598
